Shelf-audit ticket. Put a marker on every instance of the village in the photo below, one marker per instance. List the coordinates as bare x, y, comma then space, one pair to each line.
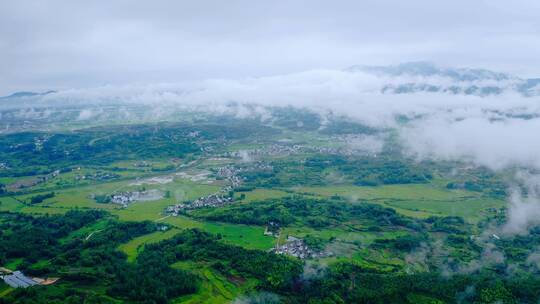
30, 182
272, 229
39, 141
297, 248
287, 150
231, 174
212, 201
97, 176
272, 150
4, 166
124, 199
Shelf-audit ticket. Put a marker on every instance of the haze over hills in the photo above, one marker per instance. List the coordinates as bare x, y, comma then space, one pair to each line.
26, 94
423, 76
295, 152
405, 78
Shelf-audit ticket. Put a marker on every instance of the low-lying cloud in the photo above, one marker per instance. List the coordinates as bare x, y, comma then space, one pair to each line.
498, 131
495, 131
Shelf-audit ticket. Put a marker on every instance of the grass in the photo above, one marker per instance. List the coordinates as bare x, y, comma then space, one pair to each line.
251, 237
261, 194
10, 204
81, 197
416, 200
153, 210
151, 164
214, 287
470, 209
86, 231
13, 264
407, 191
414, 298
136, 245
9, 180
4, 289
340, 234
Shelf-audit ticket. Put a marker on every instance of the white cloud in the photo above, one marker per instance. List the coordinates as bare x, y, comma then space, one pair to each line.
59, 44
495, 131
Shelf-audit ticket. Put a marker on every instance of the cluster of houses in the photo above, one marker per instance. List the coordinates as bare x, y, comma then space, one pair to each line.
98, 176
142, 164
218, 199
275, 150
207, 149
272, 150
286, 150
4, 166
30, 182
39, 141
291, 149
193, 134
231, 174
17, 279
297, 248
272, 229
212, 201
259, 166
125, 198
227, 171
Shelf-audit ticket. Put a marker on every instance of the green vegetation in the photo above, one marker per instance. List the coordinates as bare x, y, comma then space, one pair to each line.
383, 228
41, 197
133, 247
300, 211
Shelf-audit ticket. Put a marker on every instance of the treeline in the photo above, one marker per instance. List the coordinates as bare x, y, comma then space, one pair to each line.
347, 127
274, 272
34, 238
93, 271
99, 263
363, 171
91, 146
349, 283
296, 119
31, 153
36, 199
303, 211
151, 279
89, 260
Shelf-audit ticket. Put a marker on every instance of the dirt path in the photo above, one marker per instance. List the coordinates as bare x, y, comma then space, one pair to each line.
160, 219
92, 233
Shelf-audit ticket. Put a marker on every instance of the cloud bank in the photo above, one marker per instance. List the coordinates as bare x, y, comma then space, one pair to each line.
498, 131
63, 44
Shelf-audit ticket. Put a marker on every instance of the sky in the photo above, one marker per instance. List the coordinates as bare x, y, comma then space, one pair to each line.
78, 44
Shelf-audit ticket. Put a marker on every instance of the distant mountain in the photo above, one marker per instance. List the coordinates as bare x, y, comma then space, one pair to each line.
415, 77
25, 94
428, 69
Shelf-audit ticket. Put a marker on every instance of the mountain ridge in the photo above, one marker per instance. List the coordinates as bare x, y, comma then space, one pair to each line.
424, 76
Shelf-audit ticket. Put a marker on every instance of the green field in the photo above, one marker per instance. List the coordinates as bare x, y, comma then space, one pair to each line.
367, 228
133, 247
242, 235
4, 289
262, 194
418, 200
215, 288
